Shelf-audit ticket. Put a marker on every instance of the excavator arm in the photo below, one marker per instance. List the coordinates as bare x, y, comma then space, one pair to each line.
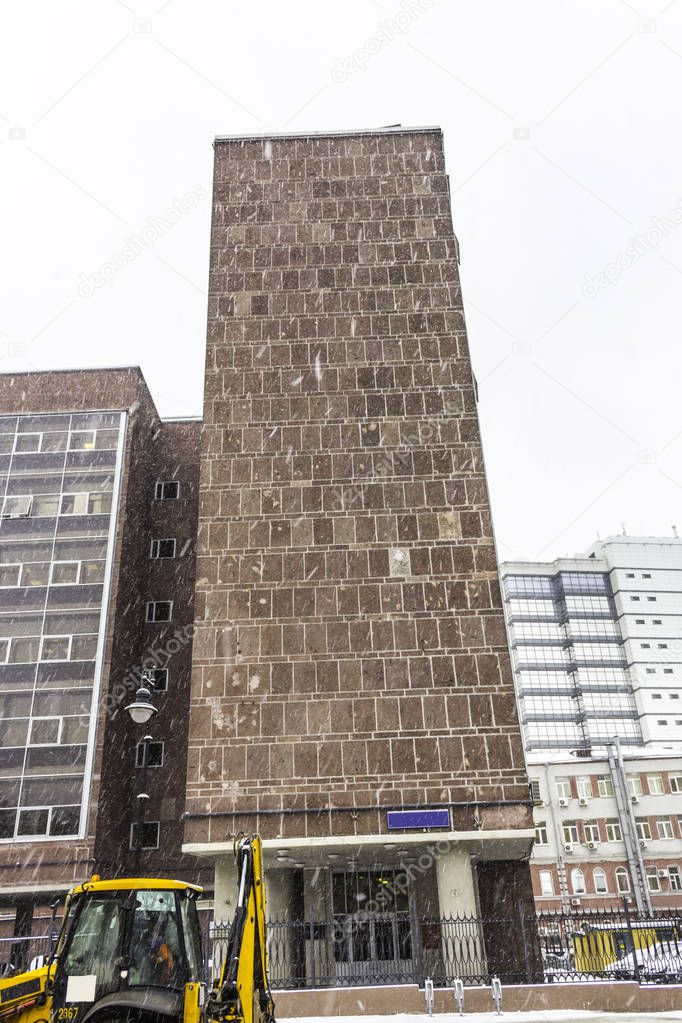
242, 993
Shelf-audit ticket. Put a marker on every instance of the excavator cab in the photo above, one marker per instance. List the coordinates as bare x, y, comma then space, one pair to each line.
129, 949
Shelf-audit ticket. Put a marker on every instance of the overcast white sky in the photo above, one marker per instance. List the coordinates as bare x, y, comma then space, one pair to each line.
563, 128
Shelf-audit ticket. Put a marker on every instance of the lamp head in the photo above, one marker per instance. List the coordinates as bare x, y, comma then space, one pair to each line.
141, 710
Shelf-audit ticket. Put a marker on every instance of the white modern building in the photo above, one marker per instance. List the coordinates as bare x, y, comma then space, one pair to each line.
596, 644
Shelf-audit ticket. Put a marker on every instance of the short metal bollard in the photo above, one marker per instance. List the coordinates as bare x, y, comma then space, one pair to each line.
428, 993
496, 988
459, 995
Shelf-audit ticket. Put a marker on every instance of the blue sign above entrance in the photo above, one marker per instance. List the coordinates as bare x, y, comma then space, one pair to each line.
396, 819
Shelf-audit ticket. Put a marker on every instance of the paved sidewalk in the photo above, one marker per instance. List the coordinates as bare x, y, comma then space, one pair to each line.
554, 1016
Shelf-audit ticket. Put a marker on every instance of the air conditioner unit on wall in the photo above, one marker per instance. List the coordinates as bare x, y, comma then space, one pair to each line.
592, 845
563, 802
575, 902
642, 843
583, 801
635, 799
568, 847
661, 872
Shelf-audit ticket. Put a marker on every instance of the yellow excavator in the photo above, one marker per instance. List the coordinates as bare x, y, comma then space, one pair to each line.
130, 951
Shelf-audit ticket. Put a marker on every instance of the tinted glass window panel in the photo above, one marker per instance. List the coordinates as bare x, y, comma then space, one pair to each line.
65, 820
92, 572
9, 575
33, 822
24, 650
44, 732
65, 573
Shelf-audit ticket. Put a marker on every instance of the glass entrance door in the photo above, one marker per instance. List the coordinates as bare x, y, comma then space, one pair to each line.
372, 935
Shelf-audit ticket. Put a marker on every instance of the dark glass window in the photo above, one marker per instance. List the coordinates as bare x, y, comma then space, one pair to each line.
167, 490
150, 835
163, 549
154, 756
159, 610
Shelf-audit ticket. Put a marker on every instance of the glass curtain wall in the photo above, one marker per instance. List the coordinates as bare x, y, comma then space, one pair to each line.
573, 683
59, 477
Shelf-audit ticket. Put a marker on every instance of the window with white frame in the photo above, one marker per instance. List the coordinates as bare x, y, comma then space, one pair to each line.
159, 611
162, 549
82, 440
601, 885
9, 575
64, 573
28, 443
643, 829
74, 504
17, 507
591, 829
546, 882
155, 752
55, 648
45, 731
167, 490
541, 833
604, 785
569, 831
664, 827
655, 783
159, 679
652, 879
577, 881
150, 835
584, 783
622, 880
535, 793
563, 788
45, 506
613, 831
675, 782
675, 879
634, 785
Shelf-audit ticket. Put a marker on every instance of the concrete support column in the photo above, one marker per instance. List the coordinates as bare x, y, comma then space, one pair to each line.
456, 884
461, 940
225, 898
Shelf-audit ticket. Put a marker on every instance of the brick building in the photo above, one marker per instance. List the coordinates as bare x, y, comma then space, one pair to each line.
350, 657
85, 469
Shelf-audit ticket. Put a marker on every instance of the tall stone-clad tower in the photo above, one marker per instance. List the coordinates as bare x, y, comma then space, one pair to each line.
350, 657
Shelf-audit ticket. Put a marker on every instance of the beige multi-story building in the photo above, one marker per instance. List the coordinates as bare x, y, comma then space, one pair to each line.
593, 848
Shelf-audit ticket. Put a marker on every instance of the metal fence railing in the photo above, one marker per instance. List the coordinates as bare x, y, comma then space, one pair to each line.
404, 948
583, 945
17, 954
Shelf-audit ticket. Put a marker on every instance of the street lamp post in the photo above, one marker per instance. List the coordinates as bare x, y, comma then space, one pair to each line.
141, 711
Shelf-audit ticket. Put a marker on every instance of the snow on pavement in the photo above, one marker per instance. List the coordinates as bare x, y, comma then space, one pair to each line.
548, 1016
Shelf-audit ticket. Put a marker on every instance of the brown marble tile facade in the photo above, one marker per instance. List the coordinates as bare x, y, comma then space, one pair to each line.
350, 652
